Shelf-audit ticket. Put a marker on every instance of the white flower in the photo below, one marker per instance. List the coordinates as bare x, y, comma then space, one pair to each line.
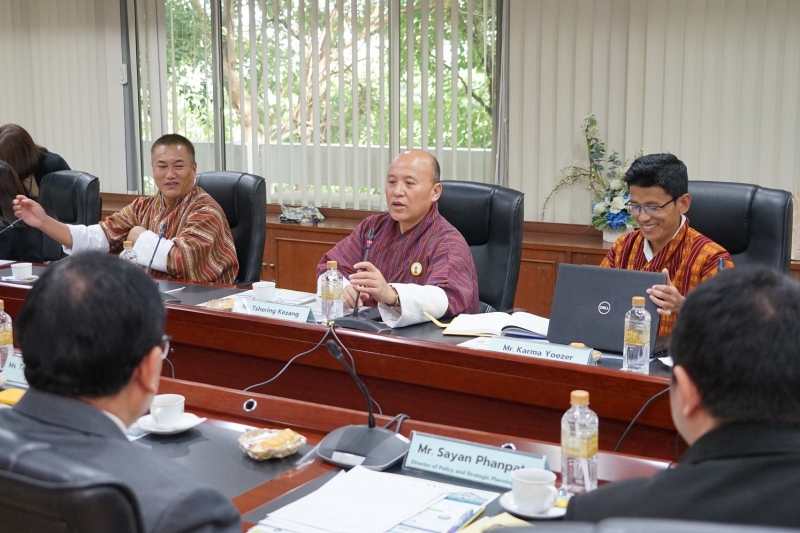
617, 205
616, 185
599, 208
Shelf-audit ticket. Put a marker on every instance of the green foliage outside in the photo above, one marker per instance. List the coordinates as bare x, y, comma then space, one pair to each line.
285, 79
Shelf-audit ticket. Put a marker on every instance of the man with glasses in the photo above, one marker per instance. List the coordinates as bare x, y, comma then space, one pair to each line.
735, 399
664, 242
92, 337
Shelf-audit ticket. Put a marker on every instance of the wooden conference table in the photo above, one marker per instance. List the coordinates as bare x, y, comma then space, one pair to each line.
225, 410
428, 380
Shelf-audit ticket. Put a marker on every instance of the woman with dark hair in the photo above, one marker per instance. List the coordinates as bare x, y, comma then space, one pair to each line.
21, 242
30, 161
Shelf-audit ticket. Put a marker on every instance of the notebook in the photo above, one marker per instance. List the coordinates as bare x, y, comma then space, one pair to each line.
590, 302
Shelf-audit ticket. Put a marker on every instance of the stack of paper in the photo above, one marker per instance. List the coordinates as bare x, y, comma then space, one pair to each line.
363, 501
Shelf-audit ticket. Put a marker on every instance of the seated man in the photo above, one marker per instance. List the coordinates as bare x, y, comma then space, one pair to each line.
91, 333
659, 185
197, 242
735, 398
418, 261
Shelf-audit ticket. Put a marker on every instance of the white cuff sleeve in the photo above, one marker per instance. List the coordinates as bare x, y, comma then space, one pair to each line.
414, 300
87, 239
146, 245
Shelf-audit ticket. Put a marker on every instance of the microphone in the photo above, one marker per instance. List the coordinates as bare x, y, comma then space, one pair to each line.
333, 348
11, 225
370, 235
372, 447
160, 236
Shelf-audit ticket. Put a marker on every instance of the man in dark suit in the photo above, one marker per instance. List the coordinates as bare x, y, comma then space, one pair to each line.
735, 398
91, 332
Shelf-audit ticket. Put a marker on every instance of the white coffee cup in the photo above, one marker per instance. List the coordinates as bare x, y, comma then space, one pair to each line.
534, 490
167, 410
264, 290
22, 270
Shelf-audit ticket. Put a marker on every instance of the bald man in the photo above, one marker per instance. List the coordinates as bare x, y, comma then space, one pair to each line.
418, 261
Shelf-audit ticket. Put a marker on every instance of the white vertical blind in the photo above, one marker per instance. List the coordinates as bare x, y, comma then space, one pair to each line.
715, 82
321, 104
61, 61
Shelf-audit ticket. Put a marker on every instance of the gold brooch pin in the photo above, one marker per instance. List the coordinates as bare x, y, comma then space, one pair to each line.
416, 268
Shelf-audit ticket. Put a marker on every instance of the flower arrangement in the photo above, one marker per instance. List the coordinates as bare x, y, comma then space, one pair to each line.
610, 194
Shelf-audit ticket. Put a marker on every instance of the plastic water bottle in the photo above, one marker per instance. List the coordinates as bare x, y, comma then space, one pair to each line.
579, 428
331, 289
6, 337
636, 350
128, 254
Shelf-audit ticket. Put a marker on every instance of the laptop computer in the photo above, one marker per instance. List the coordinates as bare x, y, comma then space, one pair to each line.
590, 302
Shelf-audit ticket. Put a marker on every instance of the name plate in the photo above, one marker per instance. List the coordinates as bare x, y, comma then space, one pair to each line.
14, 371
467, 460
542, 350
292, 313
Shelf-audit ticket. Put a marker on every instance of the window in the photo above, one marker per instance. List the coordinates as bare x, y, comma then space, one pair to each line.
319, 94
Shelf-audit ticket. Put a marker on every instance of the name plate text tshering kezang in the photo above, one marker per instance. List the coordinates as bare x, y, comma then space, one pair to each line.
292, 313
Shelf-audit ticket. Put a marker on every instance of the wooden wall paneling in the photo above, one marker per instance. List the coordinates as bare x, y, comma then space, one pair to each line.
296, 262
537, 280
586, 258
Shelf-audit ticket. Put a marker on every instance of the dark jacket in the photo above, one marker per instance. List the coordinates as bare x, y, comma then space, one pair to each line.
744, 473
171, 499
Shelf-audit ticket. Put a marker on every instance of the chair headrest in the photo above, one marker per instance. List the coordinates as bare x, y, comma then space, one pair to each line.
60, 192
223, 187
722, 212
467, 206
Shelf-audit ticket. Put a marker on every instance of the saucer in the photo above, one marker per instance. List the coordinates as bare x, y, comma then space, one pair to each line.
188, 421
507, 502
12, 279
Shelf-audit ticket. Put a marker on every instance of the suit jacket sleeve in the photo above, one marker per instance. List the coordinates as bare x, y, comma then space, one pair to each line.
203, 510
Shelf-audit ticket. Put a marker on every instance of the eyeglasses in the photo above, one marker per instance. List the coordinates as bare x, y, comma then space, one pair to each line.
165, 340
649, 209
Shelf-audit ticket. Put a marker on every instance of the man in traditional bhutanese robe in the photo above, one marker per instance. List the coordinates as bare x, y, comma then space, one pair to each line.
418, 261
664, 242
197, 242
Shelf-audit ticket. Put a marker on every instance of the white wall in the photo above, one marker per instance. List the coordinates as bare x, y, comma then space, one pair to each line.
716, 82
60, 62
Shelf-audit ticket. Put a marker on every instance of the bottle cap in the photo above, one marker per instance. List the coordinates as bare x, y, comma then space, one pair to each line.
332, 264
2, 305
638, 300
127, 244
579, 397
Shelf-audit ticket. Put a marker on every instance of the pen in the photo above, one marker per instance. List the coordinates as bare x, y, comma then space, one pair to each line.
175, 290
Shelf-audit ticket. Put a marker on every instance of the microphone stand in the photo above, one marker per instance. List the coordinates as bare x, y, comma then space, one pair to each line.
10, 226
354, 321
372, 447
164, 296
160, 236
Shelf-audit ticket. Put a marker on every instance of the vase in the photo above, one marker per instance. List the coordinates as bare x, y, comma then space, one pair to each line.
611, 235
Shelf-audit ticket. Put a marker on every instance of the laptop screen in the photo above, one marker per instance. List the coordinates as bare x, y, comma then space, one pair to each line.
590, 302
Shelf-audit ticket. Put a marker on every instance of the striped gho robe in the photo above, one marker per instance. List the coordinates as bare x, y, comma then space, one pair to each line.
690, 257
203, 248
433, 243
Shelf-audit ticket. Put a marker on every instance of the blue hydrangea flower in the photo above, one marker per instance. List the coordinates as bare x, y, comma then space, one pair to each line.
617, 220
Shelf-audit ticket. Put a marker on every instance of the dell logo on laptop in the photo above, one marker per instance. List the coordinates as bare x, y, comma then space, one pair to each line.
604, 308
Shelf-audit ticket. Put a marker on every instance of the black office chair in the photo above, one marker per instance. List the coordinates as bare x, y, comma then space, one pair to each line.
753, 223
243, 198
490, 218
71, 197
43, 491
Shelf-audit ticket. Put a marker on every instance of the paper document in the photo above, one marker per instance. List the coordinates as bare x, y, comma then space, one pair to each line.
360, 501
520, 324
